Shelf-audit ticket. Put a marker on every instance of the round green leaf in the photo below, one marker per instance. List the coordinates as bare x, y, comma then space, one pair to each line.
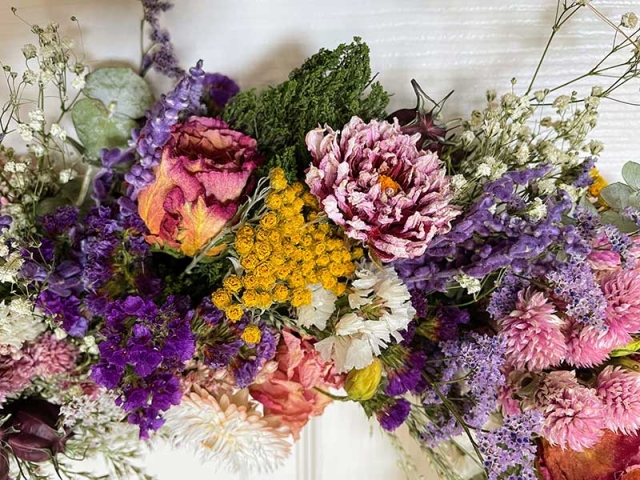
631, 174
616, 195
99, 128
126, 90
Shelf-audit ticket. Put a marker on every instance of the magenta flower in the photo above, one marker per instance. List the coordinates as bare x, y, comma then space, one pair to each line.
372, 180
205, 173
573, 414
533, 333
619, 390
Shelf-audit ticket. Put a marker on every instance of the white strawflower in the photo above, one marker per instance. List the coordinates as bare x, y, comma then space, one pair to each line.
381, 309
320, 310
228, 429
25, 132
471, 284
20, 322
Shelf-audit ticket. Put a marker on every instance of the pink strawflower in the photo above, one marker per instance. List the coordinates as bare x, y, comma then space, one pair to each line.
573, 413
604, 259
372, 180
52, 356
533, 333
619, 390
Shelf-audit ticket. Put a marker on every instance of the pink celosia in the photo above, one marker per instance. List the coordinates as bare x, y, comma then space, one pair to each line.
372, 180
619, 390
289, 391
533, 333
573, 413
52, 356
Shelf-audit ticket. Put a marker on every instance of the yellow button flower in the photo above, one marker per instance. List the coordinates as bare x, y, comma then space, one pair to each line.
362, 384
252, 334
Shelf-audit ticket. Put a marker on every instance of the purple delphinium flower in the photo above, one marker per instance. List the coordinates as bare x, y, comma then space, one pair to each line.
161, 56
408, 376
143, 352
394, 414
219, 89
575, 284
508, 451
185, 99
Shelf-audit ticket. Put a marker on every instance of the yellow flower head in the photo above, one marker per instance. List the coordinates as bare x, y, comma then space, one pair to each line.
362, 384
278, 180
269, 220
250, 298
234, 312
280, 293
598, 182
221, 299
232, 283
252, 334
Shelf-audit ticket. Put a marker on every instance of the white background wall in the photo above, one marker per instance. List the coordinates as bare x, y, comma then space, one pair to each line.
466, 45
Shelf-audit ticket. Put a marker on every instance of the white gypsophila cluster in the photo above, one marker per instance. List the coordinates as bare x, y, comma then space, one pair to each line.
20, 322
491, 168
537, 210
10, 269
471, 284
380, 308
92, 411
323, 304
629, 20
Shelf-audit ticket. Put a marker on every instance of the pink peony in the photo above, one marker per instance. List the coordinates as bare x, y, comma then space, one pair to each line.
372, 180
289, 391
203, 176
619, 390
533, 333
52, 356
573, 413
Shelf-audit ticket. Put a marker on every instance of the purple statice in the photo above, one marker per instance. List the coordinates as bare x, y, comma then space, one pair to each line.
503, 299
219, 89
419, 302
495, 233
632, 214
469, 377
449, 321
622, 245
108, 176
149, 141
222, 347
509, 451
63, 221
394, 414
5, 222
574, 284
142, 354
407, 377
161, 55
584, 178
66, 310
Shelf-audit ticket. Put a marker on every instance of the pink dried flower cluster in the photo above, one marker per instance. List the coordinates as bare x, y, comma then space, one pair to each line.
372, 180
45, 357
619, 390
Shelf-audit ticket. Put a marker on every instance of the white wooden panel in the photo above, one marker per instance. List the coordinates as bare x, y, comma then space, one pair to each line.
466, 45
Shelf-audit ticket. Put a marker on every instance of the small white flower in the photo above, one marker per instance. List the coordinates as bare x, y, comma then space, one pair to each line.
29, 51
78, 83
9, 271
46, 76
471, 284
322, 307
562, 103
25, 132
467, 138
20, 322
66, 175
458, 182
629, 20
60, 334
36, 118
547, 186
538, 210
573, 192
29, 76
483, 170
58, 131
492, 209
4, 250
381, 309
37, 149
522, 154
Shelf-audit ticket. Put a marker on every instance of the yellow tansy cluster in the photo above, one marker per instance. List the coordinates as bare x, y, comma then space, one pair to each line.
598, 184
285, 252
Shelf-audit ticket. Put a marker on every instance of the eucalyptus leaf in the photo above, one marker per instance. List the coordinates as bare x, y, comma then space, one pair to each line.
99, 128
621, 223
616, 195
631, 174
634, 200
587, 205
127, 91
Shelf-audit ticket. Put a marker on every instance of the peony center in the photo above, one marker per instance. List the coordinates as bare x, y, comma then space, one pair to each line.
388, 183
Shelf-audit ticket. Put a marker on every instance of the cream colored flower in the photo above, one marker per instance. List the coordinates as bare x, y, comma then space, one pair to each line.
227, 428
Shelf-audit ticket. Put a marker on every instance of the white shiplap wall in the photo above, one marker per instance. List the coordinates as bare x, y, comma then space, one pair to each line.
464, 45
